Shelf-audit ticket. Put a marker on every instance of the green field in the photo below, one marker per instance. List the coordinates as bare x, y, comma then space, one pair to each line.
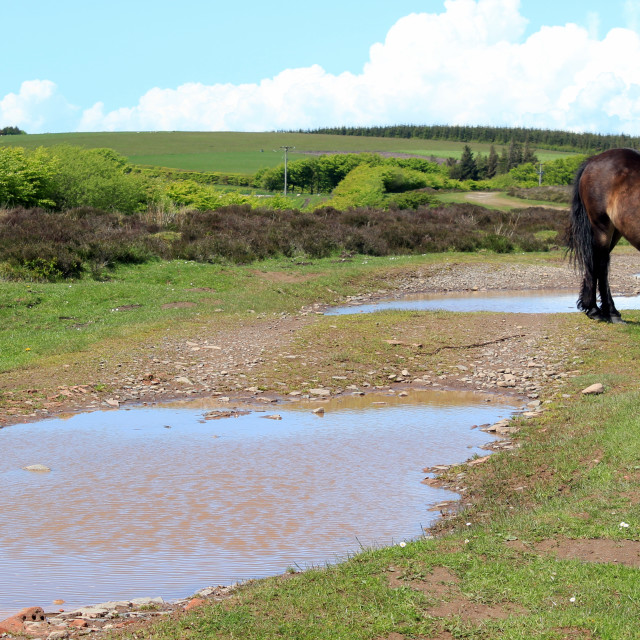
234, 152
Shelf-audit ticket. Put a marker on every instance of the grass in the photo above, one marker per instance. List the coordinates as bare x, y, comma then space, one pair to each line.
243, 162
236, 152
38, 320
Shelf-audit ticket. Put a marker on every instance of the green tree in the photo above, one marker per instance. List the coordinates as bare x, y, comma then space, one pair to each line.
529, 155
503, 162
561, 171
96, 178
514, 155
25, 178
492, 163
11, 131
466, 168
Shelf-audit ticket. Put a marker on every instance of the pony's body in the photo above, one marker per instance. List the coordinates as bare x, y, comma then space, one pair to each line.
606, 207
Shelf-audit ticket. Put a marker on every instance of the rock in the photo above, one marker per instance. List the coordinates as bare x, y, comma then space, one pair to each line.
320, 392
37, 468
594, 389
476, 461
183, 380
319, 411
58, 635
146, 602
79, 623
15, 624
275, 416
194, 602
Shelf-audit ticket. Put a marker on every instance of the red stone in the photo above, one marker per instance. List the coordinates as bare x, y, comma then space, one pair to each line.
15, 624
194, 602
79, 623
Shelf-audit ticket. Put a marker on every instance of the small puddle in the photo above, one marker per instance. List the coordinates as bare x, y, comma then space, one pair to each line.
534, 301
160, 501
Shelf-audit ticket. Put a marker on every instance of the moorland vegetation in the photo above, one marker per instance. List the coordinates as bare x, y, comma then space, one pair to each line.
71, 211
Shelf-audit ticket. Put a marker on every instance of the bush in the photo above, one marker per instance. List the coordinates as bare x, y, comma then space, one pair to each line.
52, 245
95, 178
25, 178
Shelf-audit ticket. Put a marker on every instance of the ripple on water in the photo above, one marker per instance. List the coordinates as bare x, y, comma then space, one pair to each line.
536, 301
131, 508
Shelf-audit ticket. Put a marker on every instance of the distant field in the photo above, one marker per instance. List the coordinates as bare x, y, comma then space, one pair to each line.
234, 152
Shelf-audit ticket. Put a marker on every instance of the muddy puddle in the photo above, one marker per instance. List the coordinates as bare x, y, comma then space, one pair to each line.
534, 301
161, 501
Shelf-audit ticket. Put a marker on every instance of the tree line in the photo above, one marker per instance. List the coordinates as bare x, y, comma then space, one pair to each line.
587, 143
480, 167
11, 131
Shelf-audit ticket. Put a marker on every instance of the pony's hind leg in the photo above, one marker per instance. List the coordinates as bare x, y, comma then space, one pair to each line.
587, 297
607, 305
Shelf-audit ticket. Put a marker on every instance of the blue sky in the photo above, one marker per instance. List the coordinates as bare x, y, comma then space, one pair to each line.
197, 65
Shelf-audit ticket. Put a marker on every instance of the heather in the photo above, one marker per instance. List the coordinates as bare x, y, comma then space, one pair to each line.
52, 245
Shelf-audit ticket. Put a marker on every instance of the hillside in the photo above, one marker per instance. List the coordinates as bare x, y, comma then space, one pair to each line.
235, 152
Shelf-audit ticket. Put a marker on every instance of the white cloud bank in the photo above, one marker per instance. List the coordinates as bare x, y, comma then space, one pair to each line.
466, 65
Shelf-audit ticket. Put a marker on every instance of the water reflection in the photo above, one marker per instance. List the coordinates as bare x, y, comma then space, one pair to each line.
537, 301
134, 508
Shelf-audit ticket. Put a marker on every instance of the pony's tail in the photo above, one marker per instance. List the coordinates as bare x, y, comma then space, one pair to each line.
579, 231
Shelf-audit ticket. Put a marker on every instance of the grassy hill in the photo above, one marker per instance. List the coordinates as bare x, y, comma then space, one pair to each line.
234, 152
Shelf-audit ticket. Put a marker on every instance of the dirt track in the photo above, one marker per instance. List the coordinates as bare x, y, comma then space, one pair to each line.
232, 362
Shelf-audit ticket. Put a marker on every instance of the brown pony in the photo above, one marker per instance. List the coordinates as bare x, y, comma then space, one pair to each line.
606, 204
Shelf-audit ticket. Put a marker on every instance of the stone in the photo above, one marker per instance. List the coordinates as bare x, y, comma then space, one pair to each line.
79, 623
15, 624
194, 602
37, 468
183, 380
275, 416
58, 635
319, 411
594, 389
320, 392
145, 602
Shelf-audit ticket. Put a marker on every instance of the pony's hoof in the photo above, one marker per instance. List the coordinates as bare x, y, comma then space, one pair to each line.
617, 319
595, 314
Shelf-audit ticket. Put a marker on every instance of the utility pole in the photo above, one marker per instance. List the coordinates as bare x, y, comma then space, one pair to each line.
540, 174
286, 150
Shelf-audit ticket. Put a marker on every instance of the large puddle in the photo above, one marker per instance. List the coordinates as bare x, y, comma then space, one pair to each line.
159, 501
535, 301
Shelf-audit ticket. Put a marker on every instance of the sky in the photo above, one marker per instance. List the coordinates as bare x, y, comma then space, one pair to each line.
198, 65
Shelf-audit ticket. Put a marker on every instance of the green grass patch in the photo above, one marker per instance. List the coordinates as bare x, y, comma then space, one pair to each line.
495, 200
243, 162
240, 152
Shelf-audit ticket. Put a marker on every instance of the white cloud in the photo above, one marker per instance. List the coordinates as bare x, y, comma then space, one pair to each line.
466, 64
37, 106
